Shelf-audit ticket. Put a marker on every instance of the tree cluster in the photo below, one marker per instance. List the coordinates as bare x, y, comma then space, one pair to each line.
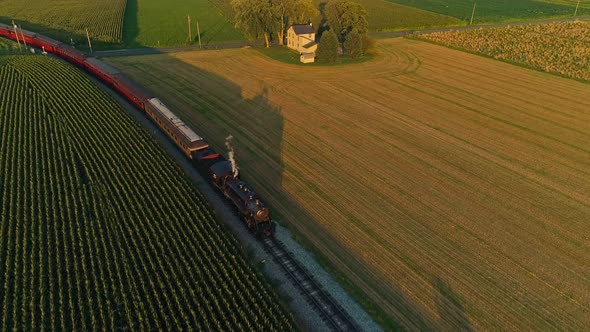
346, 22
264, 18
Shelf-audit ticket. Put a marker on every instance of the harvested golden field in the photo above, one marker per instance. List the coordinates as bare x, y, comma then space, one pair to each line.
562, 48
453, 189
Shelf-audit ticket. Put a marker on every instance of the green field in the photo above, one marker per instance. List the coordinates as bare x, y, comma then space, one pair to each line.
99, 229
7, 46
500, 10
383, 15
65, 19
155, 23
121, 23
389, 16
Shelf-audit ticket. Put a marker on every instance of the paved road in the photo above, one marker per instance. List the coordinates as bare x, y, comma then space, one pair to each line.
146, 51
239, 44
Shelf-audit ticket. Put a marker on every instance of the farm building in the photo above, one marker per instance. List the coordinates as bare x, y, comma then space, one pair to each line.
301, 38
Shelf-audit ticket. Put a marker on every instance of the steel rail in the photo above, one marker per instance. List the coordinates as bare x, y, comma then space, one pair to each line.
332, 313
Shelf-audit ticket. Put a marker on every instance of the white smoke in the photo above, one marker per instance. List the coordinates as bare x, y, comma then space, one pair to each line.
230, 155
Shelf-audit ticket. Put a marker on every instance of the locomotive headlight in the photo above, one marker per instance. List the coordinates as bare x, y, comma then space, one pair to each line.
262, 213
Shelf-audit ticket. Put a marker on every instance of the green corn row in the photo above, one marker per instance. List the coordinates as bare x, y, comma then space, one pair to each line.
99, 229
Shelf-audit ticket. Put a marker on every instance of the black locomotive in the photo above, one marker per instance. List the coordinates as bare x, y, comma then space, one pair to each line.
251, 208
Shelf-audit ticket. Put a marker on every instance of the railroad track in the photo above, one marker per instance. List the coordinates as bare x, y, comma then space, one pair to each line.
332, 313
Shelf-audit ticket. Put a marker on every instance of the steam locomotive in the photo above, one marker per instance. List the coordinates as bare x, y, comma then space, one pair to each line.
221, 172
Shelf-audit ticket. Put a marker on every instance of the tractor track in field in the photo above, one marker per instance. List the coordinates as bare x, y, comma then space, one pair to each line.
332, 313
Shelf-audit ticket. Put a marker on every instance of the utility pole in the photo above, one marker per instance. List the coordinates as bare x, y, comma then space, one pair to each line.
577, 6
16, 33
23, 36
190, 33
199, 34
88, 37
473, 13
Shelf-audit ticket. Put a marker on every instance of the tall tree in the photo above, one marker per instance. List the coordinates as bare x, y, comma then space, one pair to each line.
328, 48
345, 16
255, 18
353, 44
289, 12
357, 45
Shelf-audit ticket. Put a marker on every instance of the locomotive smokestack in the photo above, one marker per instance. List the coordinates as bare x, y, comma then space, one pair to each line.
230, 155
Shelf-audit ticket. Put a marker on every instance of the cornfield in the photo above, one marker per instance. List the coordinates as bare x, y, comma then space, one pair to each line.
561, 48
69, 18
99, 229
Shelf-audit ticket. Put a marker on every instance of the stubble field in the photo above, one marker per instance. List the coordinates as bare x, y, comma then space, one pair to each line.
452, 189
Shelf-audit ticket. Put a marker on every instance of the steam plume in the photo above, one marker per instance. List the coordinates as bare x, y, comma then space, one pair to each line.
230, 154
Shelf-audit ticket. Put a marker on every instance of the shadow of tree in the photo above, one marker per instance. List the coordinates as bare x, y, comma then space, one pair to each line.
131, 25
449, 307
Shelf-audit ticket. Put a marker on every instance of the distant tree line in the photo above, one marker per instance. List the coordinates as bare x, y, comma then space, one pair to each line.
264, 18
347, 27
344, 23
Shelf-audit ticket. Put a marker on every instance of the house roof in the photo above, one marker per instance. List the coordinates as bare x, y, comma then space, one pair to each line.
310, 44
301, 29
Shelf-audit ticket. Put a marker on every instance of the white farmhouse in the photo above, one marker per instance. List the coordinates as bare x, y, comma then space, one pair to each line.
301, 38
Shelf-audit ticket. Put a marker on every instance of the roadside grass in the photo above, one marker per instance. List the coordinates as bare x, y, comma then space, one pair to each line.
286, 55
153, 23
489, 11
8, 47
